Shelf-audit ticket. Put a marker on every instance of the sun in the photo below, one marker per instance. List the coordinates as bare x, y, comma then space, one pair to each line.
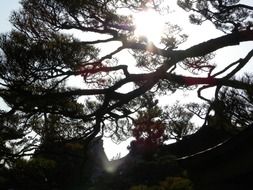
150, 25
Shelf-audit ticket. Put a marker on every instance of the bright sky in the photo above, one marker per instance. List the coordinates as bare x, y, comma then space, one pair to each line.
6, 7
197, 34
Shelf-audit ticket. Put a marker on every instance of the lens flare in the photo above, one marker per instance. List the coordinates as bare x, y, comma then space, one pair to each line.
149, 25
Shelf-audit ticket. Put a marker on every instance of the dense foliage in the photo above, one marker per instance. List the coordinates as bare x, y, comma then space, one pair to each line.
53, 120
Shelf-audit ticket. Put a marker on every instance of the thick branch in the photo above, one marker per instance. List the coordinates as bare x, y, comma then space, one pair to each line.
215, 44
189, 81
198, 50
239, 6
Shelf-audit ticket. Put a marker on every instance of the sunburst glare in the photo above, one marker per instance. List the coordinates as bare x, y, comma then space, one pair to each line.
150, 25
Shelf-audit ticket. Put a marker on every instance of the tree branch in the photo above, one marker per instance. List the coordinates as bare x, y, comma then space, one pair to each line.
213, 45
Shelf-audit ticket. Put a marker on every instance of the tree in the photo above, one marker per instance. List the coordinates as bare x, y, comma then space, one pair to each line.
149, 131
156, 125
39, 57
178, 121
237, 105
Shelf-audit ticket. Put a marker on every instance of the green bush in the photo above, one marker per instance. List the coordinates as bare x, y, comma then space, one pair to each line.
170, 183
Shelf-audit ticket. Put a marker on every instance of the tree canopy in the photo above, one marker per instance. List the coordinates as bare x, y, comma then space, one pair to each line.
57, 41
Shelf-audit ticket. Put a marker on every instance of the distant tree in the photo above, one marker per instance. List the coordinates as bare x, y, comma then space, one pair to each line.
154, 126
178, 121
149, 131
235, 105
